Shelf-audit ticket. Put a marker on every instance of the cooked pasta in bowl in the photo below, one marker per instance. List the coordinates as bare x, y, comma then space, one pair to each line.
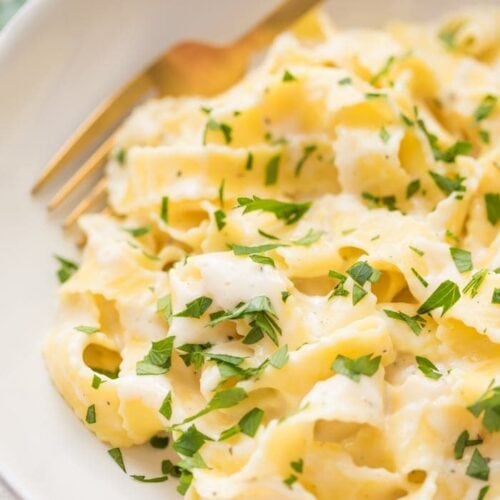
299, 281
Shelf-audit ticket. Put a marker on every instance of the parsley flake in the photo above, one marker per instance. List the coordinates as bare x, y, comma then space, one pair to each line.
262, 259
66, 270
383, 71
166, 406
298, 466
478, 467
485, 108
248, 425
384, 135
358, 293
489, 406
354, 368
159, 442
220, 219
121, 156
96, 381
288, 77
158, 359
475, 283
462, 442
446, 184
243, 250
196, 308
280, 358
345, 81
311, 237
412, 188
445, 296
495, 298
222, 399
416, 323
272, 170
164, 209
87, 329
190, 442
361, 272
213, 124
116, 455
164, 308
90, 418
428, 368
419, 277
462, 259
492, 201
249, 161
288, 212
308, 151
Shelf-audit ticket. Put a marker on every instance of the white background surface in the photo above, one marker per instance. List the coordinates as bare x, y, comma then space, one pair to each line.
58, 59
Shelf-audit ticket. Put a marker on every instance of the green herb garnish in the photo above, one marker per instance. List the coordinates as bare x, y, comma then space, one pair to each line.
90, 418
354, 368
116, 455
66, 270
416, 323
478, 467
288, 212
158, 359
485, 108
272, 170
308, 151
462, 259
248, 425
475, 283
428, 368
196, 308
87, 329
492, 201
445, 296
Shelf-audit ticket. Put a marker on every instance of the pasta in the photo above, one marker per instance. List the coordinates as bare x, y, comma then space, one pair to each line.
300, 278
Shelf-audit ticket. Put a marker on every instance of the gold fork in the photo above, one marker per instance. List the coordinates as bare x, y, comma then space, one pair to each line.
188, 68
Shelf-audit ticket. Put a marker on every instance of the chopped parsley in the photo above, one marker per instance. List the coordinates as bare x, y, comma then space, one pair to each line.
308, 151
90, 418
292, 478
383, 71
448, 36
297, 466
66, 269
196, 308
194, 462
213, 124
475, 283
488, 405
166, 406
448, 155
462, 259
121, 156
194, 354
384, 135
419, 252
380, 201
249, 161
87, 329
243, 250
375, 95
164, 209
248, 425
495, 298
492, 201
159, 358
164, 308
478, 467
463, 442
144, 479
116, 455
96, 381
446, 184
272, 170
311, 237
280, 358
412, 188
261, 316
345, 81
222, 399
159, 442
262, 259
428, 368
339, 289
288, 77
445, 296
220, 219
185, 481
484, 135
415, 323
485, 108
285, 295
361, 272
354, 368
482, 492
357, 294
288, 212
137, 232
190, 442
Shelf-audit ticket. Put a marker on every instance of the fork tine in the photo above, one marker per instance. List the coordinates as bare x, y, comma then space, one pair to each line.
106, 114
89, 167
97, 191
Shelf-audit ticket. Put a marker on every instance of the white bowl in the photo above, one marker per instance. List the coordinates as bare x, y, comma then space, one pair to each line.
58, 59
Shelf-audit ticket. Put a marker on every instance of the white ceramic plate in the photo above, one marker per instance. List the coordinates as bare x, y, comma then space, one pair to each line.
58, 59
